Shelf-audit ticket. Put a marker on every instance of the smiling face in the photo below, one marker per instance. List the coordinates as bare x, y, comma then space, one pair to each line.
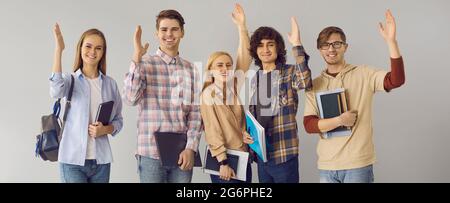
332, 55
222, 68
92, 50
267, 48
267, 51
169, 34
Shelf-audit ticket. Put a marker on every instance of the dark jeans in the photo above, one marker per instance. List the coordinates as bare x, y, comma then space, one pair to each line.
286, 172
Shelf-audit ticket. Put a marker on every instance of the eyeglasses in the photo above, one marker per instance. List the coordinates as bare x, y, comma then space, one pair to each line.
336, 45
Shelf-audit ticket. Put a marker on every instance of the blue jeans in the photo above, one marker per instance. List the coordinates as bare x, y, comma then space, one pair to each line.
216, 178
357, 175
286, 172
152, 171
91, 172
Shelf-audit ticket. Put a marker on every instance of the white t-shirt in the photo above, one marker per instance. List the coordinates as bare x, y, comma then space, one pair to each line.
96, 98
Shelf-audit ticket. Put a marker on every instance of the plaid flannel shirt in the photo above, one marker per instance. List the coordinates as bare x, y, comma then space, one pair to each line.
282, 139
166, 91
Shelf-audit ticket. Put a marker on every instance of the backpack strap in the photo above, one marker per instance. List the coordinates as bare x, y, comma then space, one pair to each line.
57, 107
69, 98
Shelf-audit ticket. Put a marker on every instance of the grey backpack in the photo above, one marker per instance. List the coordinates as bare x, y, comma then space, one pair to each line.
47, 144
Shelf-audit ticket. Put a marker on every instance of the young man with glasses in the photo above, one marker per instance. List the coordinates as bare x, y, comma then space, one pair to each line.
346, 159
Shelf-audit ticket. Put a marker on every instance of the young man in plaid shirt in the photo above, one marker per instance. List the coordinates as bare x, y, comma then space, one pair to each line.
165, 88
274, 100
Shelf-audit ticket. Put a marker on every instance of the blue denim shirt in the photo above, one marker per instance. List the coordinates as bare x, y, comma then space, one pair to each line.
74, 141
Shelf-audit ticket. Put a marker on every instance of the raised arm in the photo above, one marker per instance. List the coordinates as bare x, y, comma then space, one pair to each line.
58, 84
388, 32
396, 77
139, 50
59, 48
294, 35
244, 59
301, 78
135, 80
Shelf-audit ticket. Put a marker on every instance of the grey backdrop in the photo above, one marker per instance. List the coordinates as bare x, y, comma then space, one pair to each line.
411, 123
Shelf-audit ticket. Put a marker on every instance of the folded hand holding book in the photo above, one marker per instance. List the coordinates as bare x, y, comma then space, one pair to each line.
257, 133
237, 160
331, 104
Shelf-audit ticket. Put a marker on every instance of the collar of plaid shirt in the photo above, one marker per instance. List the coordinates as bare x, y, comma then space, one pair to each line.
168, 59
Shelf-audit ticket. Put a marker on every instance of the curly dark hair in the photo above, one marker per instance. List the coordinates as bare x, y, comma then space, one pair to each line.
270, 34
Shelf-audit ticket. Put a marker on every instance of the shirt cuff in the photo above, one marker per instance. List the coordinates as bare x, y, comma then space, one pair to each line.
192, 144
134, 67
222, 156
299, 50
397, 59
219, 153
115, 130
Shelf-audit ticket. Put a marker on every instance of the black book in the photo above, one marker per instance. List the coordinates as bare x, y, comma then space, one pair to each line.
104, 112
170, 145
211, 163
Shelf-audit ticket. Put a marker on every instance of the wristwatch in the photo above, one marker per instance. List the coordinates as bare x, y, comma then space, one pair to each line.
224, 162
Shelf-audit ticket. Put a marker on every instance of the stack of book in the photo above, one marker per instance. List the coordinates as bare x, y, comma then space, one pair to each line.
332, 104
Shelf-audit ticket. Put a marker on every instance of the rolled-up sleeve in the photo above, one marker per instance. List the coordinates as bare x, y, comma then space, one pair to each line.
301, 78
59, 85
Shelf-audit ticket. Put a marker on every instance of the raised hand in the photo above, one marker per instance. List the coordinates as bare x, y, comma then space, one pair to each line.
294, 35
139, 50
59, 46
388, 30
244, 58
238, 16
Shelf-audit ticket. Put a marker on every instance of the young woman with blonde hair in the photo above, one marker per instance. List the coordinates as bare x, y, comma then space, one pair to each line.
85, 153
222, 112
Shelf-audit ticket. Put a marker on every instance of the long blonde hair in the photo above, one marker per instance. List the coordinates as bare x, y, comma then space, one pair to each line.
210, 78
79, 61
